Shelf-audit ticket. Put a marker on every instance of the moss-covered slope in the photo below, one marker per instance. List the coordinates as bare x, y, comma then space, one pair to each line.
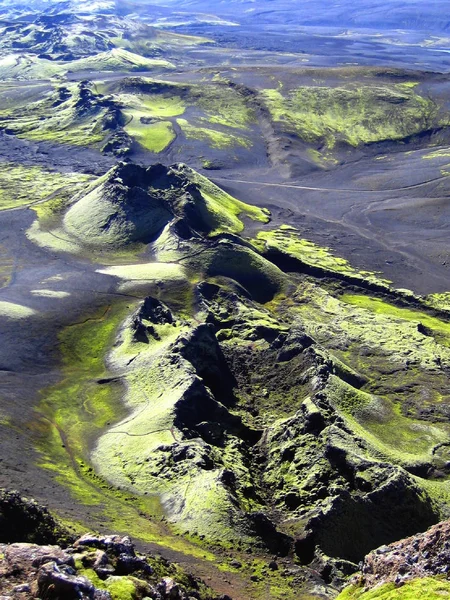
261, 409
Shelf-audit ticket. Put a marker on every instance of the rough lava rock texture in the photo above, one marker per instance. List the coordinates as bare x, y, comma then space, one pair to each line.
92, 568
422, 555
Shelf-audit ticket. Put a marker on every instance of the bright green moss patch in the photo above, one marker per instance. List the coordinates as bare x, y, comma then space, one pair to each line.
161, 106
354, 114
21, 185
288, 240
224, 212
213, 137
427, 588
119, 587
155, 137
438, 327
223, 105
439, 301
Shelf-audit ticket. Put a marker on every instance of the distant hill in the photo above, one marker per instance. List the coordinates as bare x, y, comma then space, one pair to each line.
372, 14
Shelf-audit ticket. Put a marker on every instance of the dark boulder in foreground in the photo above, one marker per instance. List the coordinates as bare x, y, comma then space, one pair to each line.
24, 520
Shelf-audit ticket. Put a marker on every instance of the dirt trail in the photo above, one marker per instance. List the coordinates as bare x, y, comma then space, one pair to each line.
336, 190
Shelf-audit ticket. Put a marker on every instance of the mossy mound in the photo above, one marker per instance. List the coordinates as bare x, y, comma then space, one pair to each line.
72, 114
206, 433
118, 211
26, 66
132, 205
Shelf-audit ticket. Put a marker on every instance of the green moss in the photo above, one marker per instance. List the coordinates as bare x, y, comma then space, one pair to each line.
213, 137
223, 105
400, 366
439, 301
288, 240
136, 453
155, 137
223, 213
442, 153
427, 588
66, 431
119, 587
24, 185
162, 106
437, 327
78, 120
122, 588
323, 159
355, 114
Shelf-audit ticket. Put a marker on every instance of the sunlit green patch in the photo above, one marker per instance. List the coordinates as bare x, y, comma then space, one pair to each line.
441, 153
288, 240
223, 105
427, 588
354, 114
135, 453
54, 239
163, 106
322, 159
224, 212
213, 137
119, 587
438, 327
398, 363
23, 185
155, 137
391, 436
439, 301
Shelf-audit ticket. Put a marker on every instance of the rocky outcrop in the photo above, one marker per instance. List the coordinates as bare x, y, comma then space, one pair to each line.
422, 555
92, 568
